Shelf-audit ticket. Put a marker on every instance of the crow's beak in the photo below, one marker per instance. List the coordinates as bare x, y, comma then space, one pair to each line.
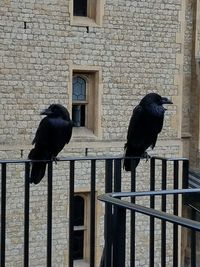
46, 112
165, 100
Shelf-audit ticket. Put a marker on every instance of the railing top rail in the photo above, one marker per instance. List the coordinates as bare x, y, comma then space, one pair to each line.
85, 158
170, 158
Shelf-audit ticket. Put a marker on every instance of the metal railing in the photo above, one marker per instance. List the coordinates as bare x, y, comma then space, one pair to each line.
115, 208
116, 240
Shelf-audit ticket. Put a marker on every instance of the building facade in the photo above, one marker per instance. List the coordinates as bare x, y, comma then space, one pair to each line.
98, 58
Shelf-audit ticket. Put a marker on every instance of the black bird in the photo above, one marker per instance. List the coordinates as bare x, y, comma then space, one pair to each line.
145, 125
53, 133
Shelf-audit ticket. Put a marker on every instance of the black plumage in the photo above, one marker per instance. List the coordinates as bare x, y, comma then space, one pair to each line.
145, 125
53, 133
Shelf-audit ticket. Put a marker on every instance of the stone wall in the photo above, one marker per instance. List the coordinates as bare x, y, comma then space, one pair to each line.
195, 85
136, 49
139, 49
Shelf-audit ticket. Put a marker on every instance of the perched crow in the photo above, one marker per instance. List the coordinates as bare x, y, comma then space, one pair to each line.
145, 125
53, 133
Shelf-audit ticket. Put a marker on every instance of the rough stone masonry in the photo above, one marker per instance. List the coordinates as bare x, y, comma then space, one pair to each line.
140, 46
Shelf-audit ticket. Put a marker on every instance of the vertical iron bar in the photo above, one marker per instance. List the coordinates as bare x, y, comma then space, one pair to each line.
163, 223
133, 188
71, 212
92, 213
185, 179
117, 175
106, 259
120, 238
175, 226
49, 214
107, 252
26, 214
152, 220
108, 175
185, 174
3, 213
117, 188
193, 241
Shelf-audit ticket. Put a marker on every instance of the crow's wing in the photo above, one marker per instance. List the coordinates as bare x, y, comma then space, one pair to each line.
135, 146
61, 132
42, 136
136, 132
156, 127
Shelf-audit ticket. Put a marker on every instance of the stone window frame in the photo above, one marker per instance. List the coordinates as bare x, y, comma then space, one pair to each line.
93, 76
95, 10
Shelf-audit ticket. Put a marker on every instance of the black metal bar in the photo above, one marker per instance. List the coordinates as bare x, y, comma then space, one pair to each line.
90, 158
106, 259
157, 193
108, 198
117, 175
185, 180
163, 223
107, 253
185, 174
71, 213
117, 188
175, 227
92, 213
120, 238
26, 214
132, 239
170, 159
108, 175
193, 241
49, 214
152, 220
176, 177
3, 213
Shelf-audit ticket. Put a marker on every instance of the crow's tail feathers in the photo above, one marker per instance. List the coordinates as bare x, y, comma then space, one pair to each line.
38, 168
37, 172
128, 162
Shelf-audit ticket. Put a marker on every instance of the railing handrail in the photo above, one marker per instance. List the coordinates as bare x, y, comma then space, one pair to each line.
85, 158
111, 198
154, 193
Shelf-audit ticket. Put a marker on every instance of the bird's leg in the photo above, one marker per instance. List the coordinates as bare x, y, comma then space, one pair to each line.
55, 159
146, 156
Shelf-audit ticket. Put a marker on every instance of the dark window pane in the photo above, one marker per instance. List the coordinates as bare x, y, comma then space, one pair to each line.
78, 211
80, 8
79, 89
78, 115
78, 245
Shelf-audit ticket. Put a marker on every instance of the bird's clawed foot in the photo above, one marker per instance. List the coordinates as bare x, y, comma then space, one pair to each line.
146, 156
55, 159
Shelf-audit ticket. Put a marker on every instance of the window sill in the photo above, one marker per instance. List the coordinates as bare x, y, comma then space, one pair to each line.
83, 133
80, 263
84, 21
